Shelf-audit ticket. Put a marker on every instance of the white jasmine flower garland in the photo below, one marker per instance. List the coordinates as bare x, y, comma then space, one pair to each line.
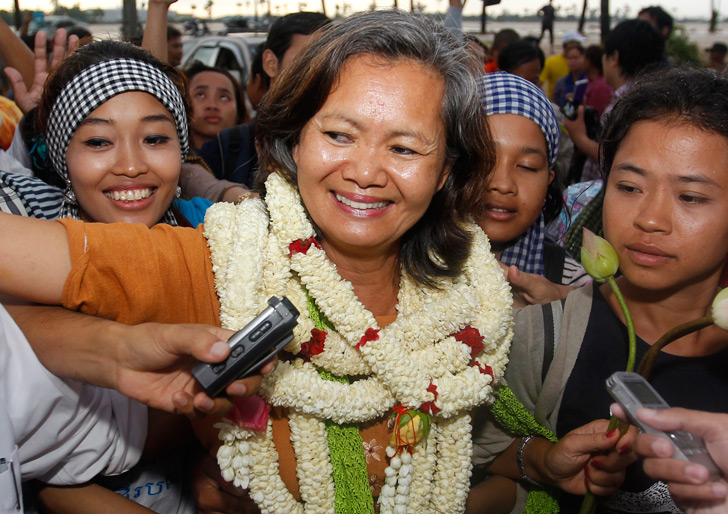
413, 361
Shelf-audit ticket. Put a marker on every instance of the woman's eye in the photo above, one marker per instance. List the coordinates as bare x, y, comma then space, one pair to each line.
528, 168
96, 142
627, 188
693, 199
402, 150
199, 95
338, 137
156, 139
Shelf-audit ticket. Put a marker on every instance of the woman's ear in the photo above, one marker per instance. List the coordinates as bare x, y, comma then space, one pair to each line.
552, 176
444, 174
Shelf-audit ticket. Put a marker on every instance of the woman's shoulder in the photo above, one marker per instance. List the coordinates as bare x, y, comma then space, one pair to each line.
537, 323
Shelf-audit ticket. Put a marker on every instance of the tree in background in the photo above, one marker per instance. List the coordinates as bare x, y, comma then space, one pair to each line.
680, 50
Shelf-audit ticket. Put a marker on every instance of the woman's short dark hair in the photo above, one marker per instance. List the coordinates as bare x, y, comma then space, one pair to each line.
198, 67
638, 44
518, 53
78, 61
692, 96
439, 243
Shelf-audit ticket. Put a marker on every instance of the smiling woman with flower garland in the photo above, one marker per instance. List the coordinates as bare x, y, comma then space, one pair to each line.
378, 151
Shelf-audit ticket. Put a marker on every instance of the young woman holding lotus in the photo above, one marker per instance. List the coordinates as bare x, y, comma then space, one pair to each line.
664, 154
379, 152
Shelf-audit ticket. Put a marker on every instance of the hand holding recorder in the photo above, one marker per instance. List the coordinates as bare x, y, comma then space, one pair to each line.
687, 449
250, 347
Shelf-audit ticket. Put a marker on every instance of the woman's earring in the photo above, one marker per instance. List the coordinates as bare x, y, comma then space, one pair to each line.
178, 192
69, 196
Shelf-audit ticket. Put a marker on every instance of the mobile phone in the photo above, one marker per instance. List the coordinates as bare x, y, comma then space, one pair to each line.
251, 347
632, 392
580, 90
570, 109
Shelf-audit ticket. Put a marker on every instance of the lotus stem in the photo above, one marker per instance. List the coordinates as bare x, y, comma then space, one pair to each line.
648, 360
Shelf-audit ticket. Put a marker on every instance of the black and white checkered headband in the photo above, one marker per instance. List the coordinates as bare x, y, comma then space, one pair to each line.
97, 84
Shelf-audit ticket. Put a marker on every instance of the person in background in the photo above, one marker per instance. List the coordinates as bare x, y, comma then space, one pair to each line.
598, 92
631, 47
217, 102
716, 57
658, 18
232, 155
565, 87
548, 15
523, 58
286, 37
258, 82
501, 40
556, 66
523, 193
174, 46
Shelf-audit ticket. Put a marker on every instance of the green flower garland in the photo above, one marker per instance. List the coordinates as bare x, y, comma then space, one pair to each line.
510, 413
346, 448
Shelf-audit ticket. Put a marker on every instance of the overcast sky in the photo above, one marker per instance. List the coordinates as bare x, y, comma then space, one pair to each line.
678, 8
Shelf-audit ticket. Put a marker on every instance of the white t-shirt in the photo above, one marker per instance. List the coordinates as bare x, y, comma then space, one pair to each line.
59, 431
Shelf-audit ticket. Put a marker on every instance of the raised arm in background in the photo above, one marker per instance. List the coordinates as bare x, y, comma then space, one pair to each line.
155, 29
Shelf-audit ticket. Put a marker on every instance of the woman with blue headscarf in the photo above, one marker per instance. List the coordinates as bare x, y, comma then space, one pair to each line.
523, 194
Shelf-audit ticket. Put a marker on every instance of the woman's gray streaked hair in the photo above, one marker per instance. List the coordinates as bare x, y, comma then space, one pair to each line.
304, 86
390, 34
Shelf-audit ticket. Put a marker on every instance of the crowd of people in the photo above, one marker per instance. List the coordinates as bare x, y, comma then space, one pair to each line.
420, 199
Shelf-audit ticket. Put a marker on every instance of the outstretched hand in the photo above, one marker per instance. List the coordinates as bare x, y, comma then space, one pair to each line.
26, 98
153, 364
579, 461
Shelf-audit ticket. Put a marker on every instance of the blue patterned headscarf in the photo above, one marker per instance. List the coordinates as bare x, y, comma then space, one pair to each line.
505, 93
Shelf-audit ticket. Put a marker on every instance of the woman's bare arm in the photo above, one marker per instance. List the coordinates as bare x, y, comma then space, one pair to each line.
34, 259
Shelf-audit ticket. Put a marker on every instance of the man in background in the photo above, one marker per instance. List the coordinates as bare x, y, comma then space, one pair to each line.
174, 46
548, 15
658, 18
716, 57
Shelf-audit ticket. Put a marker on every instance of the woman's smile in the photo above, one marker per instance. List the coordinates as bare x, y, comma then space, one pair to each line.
359, 205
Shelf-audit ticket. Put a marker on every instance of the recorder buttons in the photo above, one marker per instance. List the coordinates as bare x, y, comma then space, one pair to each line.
217, 369
237, 351
262, 329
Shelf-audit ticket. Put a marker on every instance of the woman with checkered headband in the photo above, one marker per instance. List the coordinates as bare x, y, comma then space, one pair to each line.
523, 194
111, 133
114, 121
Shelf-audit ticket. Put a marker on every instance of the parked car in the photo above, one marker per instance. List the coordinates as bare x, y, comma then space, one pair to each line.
233, 52
49, 24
